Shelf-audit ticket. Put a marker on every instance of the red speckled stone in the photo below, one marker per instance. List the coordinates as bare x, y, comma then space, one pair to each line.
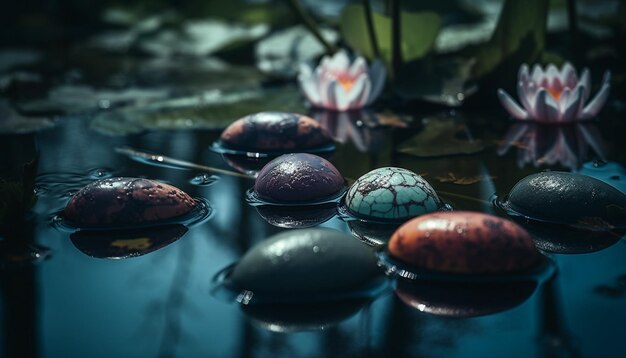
299, 177
275, 131
464, 242
125, 201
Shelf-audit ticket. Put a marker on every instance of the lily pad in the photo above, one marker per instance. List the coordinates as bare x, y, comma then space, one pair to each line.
418, 32
13, 122
211, 110
439, 138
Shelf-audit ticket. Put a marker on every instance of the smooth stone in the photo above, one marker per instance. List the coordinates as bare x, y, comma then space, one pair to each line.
567, 198
275, 131
126, 201
306, 263
299, 177
391, 193
464, 242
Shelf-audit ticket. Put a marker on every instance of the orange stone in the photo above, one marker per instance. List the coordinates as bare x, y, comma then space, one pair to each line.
464, 242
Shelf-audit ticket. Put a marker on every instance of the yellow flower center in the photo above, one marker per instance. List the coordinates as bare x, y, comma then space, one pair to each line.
346, 83
556, 94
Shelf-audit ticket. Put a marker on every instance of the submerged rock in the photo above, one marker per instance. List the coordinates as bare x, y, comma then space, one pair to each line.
127, 201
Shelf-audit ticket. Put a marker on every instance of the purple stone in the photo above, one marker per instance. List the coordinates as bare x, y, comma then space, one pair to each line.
124, 201
299, 177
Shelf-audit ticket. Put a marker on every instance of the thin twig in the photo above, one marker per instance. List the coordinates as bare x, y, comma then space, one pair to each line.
161, 159
311, 25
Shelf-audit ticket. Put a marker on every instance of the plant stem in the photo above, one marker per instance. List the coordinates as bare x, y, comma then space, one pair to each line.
370, 27
396, 41
308, 22
572, 20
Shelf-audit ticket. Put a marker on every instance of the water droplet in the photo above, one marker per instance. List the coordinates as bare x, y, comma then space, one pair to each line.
204, 179
100, 173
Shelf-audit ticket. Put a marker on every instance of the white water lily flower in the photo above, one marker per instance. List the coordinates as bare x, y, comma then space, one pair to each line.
337, 84
553, 96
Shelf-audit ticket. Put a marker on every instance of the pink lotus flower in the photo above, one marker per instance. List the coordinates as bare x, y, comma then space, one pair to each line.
554, 96
339, 85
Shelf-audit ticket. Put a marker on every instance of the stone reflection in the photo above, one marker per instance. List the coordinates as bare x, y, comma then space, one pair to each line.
464, 299
293, 217
297, 317
357, 127
548, 145
118, 244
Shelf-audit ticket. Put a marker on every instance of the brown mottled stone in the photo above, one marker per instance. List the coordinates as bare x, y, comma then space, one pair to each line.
126, 201
275, 131
464, 242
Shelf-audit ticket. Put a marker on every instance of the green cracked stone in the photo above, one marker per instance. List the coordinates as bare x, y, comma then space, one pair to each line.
391, 193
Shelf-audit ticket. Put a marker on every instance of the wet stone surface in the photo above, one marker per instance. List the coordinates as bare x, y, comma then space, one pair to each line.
301, 177
391, 193
464, 242
127, 201
304, 264
275, 131
567, 198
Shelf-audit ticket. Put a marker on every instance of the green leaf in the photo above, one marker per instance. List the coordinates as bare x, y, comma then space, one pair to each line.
212, 110
418, 32
519, 21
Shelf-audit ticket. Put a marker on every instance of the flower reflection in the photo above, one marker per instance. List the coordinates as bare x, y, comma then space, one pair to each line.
340, 85
357, 127
554, 96
539, 144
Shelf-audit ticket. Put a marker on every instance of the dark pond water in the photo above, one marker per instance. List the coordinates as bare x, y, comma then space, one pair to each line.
160, 304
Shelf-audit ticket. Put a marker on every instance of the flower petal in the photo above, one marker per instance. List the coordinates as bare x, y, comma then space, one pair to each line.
331, 95
309, 84
585, 80
358, 66
378, 77
537, 75
568, 75
339, 62
546, 109
552, 73
511, 106
571, 108
362, 99
592, 109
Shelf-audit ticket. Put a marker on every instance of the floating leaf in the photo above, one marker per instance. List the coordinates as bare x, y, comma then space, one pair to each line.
418, 32
212, 110
452, 178
439, 138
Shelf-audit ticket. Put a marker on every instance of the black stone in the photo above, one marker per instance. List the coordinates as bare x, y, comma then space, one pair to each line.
567, 198
308, 264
